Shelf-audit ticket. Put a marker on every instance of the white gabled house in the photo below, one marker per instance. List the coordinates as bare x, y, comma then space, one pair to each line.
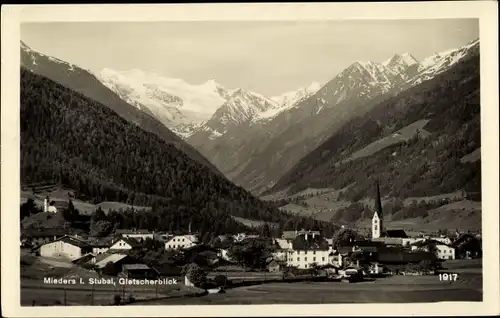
282, 247
181, 242
124, 244
67, 247
441, 250
306, 250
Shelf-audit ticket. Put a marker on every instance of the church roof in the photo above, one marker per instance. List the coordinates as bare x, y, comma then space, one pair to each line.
396, 233
378, 203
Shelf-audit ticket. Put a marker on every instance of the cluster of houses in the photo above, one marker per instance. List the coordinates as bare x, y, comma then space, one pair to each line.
306, 249
300, 249
55, 243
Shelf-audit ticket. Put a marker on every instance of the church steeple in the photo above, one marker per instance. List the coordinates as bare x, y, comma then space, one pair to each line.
378, 204
377, 220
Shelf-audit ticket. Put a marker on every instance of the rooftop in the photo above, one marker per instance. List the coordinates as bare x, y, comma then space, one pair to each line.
110, 258
135, 267
395, 233
312, 243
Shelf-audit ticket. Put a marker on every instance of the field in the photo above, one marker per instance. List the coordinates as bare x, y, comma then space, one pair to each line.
404, 134
63, 195
252, 223
397, 289
35, 292
323, 204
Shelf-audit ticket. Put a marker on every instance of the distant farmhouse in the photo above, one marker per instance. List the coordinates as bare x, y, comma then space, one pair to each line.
443, 251
140, 234
291, 235
308, 248
181, 241
66, 247
124, 244
39, 237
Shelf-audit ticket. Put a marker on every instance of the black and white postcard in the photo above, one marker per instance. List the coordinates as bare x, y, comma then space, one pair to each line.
215, 159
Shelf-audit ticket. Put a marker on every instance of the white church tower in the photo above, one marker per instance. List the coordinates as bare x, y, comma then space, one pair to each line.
377, 220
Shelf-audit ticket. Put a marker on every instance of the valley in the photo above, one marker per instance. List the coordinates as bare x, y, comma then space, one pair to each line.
319, 148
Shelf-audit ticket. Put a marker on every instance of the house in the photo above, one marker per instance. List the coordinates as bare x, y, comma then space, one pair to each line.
124, 244
308, 249
397, 256
273, 266
100, 246
100, 261
239, 237
396, 233
445, 251
39, 237
282, 247
66, 247
85, 259
140, 271
181, 242
169, 270
443, 239
224, 254
49, 206
140, 235
467, 246
291, 235
441, 250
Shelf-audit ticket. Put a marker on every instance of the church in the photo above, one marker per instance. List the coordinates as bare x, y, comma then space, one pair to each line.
380, 234
377, 219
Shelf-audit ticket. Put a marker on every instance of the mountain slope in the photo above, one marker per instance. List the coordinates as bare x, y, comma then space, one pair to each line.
426, 163
177, 104
89, 148
87, 84
256, 156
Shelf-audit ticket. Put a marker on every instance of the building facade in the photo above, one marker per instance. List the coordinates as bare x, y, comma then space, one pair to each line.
181, 242
308, 249
304, 258
66, 247
445, 252
124, 243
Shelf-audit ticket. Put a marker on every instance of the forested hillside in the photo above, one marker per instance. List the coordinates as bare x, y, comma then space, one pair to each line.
89, 148
424, 164
84, 82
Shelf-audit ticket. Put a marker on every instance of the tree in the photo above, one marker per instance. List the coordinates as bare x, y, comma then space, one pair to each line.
100, 228
221, 280
28, 208
194, 273
110, 269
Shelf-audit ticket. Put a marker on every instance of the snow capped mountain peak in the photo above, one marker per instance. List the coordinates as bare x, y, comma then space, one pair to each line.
32, 57
290, 99
442, 61
177, 104
402, 59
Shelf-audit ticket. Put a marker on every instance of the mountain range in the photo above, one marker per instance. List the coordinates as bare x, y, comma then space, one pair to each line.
101, 156
186, 108
312, 137
256, 154
86, 83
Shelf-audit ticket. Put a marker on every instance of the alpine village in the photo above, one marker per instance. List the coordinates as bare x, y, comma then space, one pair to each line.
143, 213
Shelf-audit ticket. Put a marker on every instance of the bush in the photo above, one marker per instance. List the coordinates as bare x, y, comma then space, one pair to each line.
129, 299
195, 274
117, 299
110, 269
221, 280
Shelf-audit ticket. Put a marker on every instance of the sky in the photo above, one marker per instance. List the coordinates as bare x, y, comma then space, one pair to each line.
266, 57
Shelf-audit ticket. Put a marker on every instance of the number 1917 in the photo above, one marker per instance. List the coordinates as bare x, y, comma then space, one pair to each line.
448, 277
